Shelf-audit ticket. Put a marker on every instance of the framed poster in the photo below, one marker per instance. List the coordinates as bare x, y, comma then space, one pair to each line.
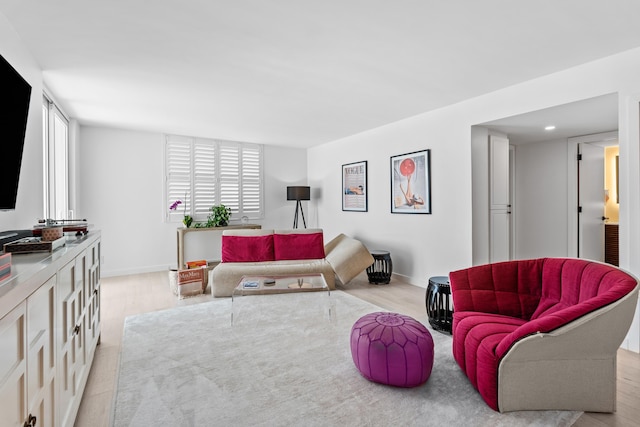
411, 183
354, 187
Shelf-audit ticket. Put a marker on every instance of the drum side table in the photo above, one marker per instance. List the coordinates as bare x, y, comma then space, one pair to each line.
439, 304
380, 271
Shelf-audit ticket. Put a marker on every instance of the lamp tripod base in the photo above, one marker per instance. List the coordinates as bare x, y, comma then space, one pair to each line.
295, 218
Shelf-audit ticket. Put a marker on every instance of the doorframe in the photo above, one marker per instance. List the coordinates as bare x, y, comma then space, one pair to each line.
512, 201
629, 175
572, 184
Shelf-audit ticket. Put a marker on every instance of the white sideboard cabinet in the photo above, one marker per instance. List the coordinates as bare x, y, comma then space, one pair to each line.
49, 330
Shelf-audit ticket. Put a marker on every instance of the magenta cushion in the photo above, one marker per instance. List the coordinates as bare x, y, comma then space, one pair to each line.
393, 349
476, 337
298, 246
508, 288
247, 248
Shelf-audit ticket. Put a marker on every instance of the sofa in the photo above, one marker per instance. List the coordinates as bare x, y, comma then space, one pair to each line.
265, 252
542, 334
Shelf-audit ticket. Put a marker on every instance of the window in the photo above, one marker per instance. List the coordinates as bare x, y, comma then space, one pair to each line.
55, 136
205, 172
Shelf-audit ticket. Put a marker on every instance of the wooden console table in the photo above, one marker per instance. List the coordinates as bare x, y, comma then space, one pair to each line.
182, 231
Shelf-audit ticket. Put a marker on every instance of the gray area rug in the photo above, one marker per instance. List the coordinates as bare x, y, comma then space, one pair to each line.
285, 361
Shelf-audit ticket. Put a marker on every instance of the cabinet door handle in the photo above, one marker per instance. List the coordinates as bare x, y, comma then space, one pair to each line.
76, 330
31, 422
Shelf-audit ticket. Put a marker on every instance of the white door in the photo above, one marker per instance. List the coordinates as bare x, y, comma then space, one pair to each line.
500, 247
499, 195
591, 201
498, 172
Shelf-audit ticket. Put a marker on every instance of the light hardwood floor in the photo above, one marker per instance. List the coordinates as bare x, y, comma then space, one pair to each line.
127, 295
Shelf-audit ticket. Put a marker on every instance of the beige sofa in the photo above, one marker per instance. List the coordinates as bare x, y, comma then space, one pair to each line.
344, 258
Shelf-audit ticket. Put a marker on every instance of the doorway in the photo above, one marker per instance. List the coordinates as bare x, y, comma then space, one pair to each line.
545, 203
592, 202
590, 206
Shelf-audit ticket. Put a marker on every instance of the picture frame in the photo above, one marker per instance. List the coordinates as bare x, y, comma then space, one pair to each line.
354, 187
411, 183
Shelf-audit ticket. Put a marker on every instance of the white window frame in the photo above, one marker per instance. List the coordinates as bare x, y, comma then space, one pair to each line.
205, 172
55, 137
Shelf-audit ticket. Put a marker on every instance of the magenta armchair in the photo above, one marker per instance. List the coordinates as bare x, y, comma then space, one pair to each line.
542, 334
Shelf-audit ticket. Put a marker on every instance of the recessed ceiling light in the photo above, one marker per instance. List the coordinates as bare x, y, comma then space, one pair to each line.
550, 127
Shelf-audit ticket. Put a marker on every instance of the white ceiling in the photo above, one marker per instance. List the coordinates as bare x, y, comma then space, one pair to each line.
301, 72
585, 117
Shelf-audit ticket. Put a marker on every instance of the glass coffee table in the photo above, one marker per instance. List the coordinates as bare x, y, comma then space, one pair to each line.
269, 285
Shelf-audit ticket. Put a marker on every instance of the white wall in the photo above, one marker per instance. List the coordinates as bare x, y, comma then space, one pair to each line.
120, 185
29, 204
421, 245
427, 245
541, 225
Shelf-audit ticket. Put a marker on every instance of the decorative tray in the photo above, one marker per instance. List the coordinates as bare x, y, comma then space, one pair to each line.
34, 244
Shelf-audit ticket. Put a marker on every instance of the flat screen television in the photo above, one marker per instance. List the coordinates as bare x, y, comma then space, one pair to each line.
15, 95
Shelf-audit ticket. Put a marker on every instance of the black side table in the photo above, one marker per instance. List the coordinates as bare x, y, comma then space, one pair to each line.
380, 271
439, 305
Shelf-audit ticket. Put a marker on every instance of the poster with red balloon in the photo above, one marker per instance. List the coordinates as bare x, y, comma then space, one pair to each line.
411, 183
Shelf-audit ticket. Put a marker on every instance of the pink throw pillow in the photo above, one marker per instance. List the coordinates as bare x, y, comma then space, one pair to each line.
298, 246
247, 248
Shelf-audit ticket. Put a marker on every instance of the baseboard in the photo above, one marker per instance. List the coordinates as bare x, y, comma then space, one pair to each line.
138, 270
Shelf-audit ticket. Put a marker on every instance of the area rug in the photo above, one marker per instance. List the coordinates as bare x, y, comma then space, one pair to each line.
285, 361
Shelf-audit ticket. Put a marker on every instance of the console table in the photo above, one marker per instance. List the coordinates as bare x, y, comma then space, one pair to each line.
182, 231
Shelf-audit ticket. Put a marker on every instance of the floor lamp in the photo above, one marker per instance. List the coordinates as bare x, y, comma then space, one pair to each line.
297, 194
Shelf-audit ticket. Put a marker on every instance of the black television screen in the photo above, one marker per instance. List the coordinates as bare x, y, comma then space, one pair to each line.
15, 94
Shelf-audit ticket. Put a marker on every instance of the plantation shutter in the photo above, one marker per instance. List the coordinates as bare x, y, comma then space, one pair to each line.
251, 196
202, 173
204, 177
230, 176
178, 175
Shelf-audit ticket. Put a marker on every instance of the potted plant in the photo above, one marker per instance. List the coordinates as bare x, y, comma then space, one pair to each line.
219, 216
186, 219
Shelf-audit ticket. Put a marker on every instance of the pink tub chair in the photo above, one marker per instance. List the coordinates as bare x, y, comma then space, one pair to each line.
542, 334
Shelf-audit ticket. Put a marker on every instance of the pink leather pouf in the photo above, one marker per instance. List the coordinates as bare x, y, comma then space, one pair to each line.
393, 349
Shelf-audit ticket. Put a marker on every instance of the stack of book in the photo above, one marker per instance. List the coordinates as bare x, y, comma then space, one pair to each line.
5, 266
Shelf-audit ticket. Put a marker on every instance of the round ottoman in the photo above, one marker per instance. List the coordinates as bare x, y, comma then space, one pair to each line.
393, 349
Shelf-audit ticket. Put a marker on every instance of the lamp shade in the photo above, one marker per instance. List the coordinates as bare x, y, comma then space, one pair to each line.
298, 193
